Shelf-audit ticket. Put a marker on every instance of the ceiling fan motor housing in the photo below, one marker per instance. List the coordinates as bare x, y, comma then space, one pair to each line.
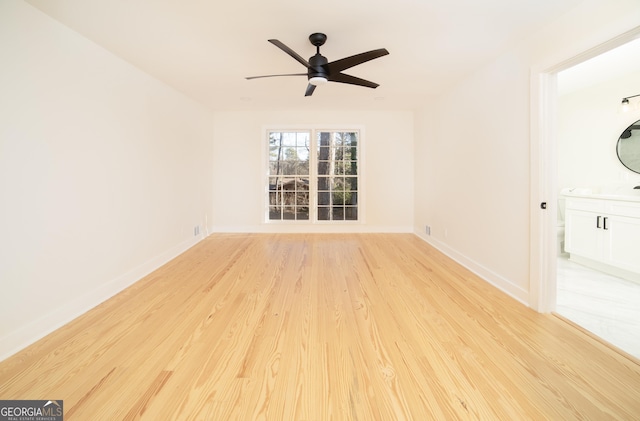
317, 67
317, 64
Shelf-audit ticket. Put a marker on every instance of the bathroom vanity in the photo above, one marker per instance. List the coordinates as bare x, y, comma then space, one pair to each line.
603, 232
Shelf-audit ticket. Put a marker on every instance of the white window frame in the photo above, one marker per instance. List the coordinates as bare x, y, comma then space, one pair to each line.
313, 174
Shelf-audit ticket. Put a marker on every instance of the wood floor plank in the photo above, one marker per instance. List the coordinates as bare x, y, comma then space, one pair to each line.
321, 327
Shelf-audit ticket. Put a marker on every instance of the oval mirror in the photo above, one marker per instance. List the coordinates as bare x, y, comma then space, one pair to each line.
628, 147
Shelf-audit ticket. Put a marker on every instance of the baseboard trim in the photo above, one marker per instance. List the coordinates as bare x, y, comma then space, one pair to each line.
487, 275
307, 228
28, 334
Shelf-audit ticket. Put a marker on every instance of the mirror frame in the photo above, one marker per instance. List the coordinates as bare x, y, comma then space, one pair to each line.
633, 131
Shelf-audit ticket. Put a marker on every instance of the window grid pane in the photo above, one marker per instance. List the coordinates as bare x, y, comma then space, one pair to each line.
337, 157
289, 163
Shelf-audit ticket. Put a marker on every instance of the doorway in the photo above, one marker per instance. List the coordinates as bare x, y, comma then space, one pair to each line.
589, 123
558, 285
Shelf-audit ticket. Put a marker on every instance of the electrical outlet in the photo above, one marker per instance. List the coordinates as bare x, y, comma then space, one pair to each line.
196, 230
427, 229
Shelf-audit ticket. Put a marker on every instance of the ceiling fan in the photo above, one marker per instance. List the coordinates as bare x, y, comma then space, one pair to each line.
320, 71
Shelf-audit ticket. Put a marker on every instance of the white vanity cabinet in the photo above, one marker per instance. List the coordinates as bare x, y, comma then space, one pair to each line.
604, 233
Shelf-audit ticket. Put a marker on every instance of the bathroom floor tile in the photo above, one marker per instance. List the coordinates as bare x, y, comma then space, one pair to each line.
605, 305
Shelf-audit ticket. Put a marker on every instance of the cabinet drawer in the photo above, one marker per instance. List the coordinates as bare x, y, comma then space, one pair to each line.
588, 205
630, 209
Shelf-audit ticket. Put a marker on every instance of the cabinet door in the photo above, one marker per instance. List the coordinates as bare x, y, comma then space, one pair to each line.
582, 237
623, 242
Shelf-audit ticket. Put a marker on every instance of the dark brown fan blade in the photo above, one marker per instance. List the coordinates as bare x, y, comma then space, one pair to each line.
289, 51
348, 62
289, 74
352, 80
310, 89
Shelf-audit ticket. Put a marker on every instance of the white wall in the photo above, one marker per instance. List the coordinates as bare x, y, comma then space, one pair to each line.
476, 195
477, 181
589, 124
104, 173
387, 171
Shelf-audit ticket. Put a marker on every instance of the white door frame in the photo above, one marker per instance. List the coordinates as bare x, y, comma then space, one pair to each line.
543, 172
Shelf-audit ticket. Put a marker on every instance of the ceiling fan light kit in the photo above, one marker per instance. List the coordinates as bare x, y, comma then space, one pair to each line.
318, 80
321, 71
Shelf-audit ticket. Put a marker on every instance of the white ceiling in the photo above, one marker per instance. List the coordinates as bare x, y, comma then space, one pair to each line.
206, 48
616, 63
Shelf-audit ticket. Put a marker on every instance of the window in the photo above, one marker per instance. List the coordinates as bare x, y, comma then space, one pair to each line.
289, 156
313, 175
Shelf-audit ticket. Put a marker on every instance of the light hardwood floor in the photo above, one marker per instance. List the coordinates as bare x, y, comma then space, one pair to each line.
320, 327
